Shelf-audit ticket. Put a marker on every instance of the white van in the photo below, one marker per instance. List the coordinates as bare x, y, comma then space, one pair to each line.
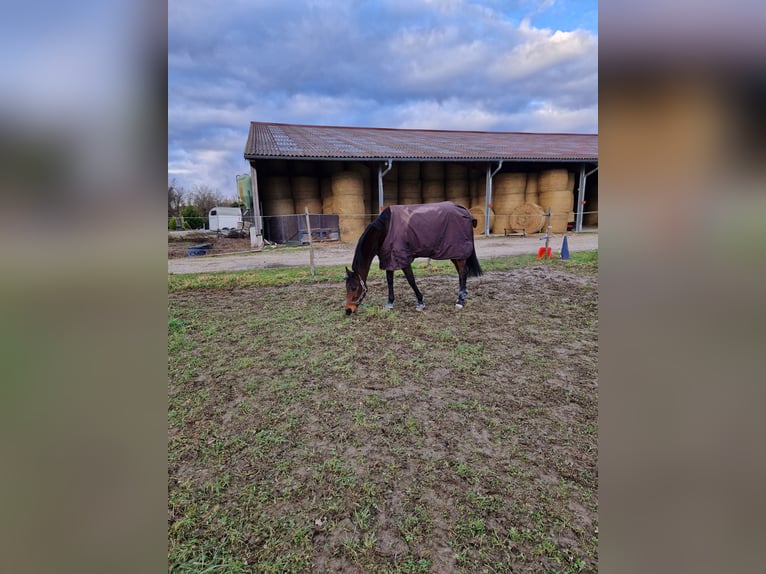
224, 218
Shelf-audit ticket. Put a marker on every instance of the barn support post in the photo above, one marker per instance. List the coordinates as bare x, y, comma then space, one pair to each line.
581, 196
256, 231
488, 201
381, 173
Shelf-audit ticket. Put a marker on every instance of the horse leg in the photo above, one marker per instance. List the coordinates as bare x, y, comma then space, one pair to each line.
390, 281
462, 273
411, 280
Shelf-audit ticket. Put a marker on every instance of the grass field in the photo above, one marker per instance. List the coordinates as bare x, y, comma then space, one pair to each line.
302, 440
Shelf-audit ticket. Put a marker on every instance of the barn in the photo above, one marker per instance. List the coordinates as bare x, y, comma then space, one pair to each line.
344, 176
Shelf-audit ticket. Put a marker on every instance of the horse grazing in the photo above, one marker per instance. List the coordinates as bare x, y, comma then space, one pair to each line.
403, 232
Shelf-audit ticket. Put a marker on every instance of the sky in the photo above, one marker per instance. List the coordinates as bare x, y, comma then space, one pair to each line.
490, 65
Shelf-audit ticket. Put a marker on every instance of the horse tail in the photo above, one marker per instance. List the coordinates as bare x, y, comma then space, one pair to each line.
472, 263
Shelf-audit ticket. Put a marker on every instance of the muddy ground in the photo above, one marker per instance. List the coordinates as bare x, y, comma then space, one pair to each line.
236, 254
301, 440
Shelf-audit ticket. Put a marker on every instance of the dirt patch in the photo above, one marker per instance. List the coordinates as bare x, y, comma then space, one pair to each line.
442, 441
178, 247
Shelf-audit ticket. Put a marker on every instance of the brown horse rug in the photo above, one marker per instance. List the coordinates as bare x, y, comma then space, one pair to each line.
436, 230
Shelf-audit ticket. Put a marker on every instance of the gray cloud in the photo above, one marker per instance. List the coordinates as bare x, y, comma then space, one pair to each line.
448, 64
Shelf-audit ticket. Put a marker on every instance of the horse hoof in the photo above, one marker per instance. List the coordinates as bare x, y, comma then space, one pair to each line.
458, 305
389, 306
420, 307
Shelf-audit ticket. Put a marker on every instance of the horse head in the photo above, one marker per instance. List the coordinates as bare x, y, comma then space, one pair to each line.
356, 289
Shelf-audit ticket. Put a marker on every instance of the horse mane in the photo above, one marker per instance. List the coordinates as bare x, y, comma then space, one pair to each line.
361, 254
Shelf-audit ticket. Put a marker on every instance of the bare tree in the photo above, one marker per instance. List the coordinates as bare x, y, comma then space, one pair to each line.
204, 198
175, 198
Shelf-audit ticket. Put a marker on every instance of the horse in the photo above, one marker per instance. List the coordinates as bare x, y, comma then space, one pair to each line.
403, 232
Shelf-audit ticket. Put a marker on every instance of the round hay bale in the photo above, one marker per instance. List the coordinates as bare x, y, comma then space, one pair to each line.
570, 181
433, 191
561, 201
432, 170
276, 187
347, 183
314, 205
305, 187
464, 201
390, 192
507, 194
409, 192
528, 217
328, 204
457, 187
478, 213
591, 206
511, 183
409, 170
479, 201
351, 227
455, 171
552, 180
281, 206
531, 193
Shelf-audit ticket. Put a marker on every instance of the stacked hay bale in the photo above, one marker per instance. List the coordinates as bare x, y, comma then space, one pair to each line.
507, 194
571, 180
479, 213
591, 218
363, 170
527, 217
478, 205
306, 194
329, 168
409, 183
432, 182
391, 186
553, 190
325, 192
531, 193
277, 196
348, 202
456, 186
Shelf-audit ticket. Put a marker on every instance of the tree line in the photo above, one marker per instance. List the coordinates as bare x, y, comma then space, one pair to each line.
189, 210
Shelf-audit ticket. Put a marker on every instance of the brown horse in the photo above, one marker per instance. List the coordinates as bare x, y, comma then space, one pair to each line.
403, 232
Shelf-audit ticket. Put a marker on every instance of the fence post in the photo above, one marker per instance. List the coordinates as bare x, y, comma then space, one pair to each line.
311, 243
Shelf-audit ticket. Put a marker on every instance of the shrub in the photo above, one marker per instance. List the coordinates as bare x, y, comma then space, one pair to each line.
193, 217
172, 225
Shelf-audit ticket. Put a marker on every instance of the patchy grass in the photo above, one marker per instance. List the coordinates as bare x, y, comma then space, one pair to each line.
390, 441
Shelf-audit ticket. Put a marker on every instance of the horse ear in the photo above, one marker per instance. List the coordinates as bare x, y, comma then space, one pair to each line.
349, 273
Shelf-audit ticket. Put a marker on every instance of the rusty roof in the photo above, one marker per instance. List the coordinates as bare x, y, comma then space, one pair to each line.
275, 140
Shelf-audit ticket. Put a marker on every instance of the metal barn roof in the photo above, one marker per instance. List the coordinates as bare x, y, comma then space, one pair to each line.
275, 140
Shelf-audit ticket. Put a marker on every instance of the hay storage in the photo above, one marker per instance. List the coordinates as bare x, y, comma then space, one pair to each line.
306, 194
409, 170
325, 192
531, 193
277, 196
456, 186
552, 180
478, 213
433, 191
507, 194
561, 204
409, 191
527, 217
348, 202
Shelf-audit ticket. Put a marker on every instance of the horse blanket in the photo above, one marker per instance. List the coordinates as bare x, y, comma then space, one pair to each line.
436, 230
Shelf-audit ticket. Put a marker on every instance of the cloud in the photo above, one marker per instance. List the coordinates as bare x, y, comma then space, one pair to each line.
440, 64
